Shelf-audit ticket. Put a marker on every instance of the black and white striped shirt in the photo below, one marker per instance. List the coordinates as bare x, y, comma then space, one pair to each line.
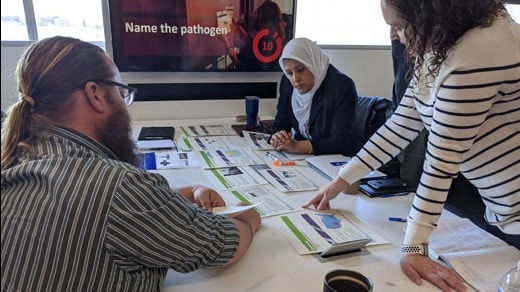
472, 113
74, 218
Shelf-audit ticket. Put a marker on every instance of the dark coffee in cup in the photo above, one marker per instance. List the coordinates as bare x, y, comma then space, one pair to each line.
346, 281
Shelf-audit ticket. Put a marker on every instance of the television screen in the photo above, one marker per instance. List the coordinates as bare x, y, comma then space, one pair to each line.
199, 35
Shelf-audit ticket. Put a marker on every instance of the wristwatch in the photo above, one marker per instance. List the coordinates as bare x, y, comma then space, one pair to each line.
421, 249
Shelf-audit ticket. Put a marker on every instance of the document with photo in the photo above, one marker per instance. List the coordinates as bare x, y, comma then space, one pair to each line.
167, 160
225, 158
271, 200
312, 232
293, 179
258, 141
234, 177
214, 143
208, 130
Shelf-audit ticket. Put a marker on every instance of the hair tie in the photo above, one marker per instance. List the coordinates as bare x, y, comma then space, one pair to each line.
29, 100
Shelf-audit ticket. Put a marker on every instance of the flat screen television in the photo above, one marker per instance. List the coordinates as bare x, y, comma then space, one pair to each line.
199, 35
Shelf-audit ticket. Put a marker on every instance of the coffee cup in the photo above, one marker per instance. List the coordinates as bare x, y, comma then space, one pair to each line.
346, 281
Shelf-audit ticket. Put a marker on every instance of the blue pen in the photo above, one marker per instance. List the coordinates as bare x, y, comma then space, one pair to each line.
397, 219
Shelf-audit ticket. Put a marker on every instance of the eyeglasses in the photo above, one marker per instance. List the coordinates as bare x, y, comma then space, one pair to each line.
129, 92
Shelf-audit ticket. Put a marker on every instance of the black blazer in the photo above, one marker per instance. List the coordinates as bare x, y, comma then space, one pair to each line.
332, 116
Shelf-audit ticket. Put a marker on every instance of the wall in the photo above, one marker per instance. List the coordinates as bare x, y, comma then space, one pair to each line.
371, 69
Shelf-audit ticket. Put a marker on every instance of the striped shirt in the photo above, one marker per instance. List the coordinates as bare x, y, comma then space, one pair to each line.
74, 218
472, 113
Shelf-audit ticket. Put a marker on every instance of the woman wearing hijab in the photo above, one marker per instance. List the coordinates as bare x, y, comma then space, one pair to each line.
317, 104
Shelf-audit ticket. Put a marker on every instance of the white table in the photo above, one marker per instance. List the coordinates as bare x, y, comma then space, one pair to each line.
272, 264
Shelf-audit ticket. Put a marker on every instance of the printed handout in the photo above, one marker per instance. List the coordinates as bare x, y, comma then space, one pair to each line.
167, 160
208, 130
271, 199
268, 156
483, 268
293, 179
469, 249
235, 176
215, 143
312, 232
225, 158
232, 211
455, 234
258, 141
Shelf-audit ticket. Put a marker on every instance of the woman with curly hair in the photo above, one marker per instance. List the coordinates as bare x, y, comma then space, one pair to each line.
465, 90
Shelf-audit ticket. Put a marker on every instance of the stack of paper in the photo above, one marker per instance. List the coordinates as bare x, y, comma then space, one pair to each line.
478, 256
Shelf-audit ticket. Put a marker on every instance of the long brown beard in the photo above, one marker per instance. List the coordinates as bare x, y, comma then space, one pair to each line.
116, 135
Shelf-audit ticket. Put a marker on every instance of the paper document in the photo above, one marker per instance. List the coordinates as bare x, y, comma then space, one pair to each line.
329, 165
483, 268
271, 199
313, 232
208, 130
232, 211
167, 160
235, 177
258, 141
215, 143
225, 158
455, 234
293, 179
478, 256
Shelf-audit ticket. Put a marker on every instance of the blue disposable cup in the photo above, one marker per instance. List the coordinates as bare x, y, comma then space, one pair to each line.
252, 110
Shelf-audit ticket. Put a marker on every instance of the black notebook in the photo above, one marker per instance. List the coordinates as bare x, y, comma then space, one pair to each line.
156, 133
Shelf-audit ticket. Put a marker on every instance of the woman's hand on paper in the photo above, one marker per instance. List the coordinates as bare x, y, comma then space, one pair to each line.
321, 200
418, 267
280, 140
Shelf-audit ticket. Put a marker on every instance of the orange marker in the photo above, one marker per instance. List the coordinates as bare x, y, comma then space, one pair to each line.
278, 162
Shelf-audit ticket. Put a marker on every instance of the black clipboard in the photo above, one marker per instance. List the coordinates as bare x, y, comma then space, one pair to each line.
156, 133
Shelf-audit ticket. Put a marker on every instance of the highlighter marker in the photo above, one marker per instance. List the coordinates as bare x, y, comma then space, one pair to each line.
278, 162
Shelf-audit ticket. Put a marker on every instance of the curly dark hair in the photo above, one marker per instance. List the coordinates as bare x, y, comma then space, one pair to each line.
435, 26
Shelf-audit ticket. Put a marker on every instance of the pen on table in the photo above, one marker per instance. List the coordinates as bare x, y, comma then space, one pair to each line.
279, 162
397, 219
270, 155
394, 195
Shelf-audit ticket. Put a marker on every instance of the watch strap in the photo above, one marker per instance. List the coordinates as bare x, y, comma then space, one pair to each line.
421, 249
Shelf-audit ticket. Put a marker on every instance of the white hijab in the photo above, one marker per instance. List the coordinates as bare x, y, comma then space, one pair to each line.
309, 54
